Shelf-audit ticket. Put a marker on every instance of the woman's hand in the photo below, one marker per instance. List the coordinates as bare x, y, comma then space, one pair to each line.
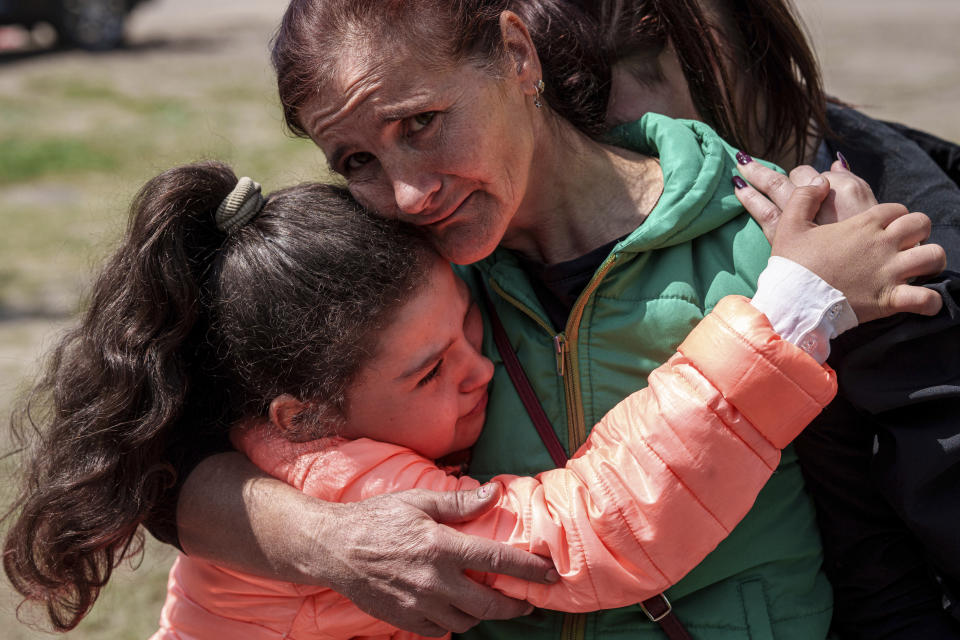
849, 194
391, 555
870, 256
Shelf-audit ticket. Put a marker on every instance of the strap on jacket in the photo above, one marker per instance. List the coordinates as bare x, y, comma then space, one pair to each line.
657, 608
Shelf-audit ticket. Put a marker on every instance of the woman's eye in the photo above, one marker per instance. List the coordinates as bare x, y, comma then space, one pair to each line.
357, 160
433, 373
421, 120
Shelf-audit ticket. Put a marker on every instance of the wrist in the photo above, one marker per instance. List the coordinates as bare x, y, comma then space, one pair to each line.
311, 541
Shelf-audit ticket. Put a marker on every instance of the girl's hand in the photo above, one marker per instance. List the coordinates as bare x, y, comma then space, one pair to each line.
870, 257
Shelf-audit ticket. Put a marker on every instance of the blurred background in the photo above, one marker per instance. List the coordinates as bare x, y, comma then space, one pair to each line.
81, 130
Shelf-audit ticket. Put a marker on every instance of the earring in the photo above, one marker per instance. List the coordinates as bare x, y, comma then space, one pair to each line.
537, 102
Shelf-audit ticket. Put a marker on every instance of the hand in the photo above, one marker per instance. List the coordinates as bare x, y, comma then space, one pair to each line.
392, 556
870, 257
769, 191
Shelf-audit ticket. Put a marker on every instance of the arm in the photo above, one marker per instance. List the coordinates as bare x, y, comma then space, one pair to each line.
879, 461
266, 527
660, 482
904, 382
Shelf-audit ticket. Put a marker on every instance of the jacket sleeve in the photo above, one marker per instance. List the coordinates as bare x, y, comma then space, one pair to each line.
659, 483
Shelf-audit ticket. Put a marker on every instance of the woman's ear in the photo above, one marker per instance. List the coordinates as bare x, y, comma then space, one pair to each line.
522, 57
283, 411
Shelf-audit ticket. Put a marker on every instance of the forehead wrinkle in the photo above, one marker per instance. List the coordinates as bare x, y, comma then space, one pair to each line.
359, 76
354, 81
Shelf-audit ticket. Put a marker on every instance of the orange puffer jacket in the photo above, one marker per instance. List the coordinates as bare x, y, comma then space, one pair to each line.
659, 483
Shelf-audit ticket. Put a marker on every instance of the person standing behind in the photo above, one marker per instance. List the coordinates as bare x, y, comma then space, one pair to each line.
880, 460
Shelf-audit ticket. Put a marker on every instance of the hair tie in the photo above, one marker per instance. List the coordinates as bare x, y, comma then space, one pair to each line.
240, 205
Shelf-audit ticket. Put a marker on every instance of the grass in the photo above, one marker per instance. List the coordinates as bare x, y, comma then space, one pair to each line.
26, 159
79, 134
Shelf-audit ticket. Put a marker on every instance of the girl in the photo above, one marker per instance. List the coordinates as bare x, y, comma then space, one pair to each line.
307, 318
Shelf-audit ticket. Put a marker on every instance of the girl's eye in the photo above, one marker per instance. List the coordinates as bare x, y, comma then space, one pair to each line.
357, 160
420, 121
433, 373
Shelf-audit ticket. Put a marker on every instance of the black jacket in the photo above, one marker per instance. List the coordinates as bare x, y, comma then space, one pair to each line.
883, 460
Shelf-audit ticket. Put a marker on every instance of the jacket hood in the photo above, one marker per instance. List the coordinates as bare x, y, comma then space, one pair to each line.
697, 170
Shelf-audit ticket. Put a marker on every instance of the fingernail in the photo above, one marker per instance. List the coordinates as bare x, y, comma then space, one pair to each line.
552, 576
738, 182
819, 180
743, 158
843, 161
484, 492
528, 611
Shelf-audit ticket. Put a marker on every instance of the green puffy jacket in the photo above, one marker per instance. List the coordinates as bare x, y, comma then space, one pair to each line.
698, 245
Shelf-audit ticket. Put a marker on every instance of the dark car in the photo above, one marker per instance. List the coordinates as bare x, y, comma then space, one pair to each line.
90, 24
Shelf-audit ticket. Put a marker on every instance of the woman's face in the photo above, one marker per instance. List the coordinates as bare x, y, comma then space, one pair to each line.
426, 386
449, 150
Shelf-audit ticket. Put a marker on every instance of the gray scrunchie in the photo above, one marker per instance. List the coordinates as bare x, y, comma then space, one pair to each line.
242, 204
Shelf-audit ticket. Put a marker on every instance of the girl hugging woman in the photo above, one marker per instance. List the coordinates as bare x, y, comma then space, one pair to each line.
350, 359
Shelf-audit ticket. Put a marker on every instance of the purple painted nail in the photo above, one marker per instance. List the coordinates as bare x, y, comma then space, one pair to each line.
743, 158
843, 161
738, 182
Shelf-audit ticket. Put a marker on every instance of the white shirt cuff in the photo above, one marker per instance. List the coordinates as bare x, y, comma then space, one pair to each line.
803, 309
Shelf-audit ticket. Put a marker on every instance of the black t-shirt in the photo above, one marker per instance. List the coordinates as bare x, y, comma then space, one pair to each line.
559, 285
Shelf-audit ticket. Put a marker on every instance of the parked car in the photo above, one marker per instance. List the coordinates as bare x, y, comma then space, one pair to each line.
89, 24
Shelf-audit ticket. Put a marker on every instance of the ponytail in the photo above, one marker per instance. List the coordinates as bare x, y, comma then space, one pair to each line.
111, 395
189, 329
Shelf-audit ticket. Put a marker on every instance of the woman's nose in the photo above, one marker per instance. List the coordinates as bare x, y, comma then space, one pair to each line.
413, 191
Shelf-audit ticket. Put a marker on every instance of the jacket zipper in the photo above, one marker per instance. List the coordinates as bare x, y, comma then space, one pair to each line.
565, 348
575, 624
569, 362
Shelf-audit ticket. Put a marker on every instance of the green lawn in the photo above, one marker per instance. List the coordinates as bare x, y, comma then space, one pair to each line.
79, 134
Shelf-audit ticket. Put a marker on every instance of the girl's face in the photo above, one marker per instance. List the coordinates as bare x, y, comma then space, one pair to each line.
449, 149
426, 386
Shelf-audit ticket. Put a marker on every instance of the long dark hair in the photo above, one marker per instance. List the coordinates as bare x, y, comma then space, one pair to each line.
187, 329
777, 97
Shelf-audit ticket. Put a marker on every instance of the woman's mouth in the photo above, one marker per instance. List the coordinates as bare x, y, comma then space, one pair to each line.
449, 215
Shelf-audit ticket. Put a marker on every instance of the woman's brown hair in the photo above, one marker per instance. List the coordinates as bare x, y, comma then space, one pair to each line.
188, 329
775, 100
313, 33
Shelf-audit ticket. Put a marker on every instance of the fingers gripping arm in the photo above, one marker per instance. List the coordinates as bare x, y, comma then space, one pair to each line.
384, 554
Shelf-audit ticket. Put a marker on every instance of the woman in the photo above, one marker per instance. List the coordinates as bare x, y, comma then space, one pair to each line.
499, 173
878, 498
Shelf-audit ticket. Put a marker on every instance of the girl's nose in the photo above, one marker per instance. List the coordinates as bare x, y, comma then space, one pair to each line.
478, 373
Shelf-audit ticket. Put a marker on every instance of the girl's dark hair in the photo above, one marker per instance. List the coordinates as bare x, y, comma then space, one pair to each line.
776, 98
188, 329
313, 33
